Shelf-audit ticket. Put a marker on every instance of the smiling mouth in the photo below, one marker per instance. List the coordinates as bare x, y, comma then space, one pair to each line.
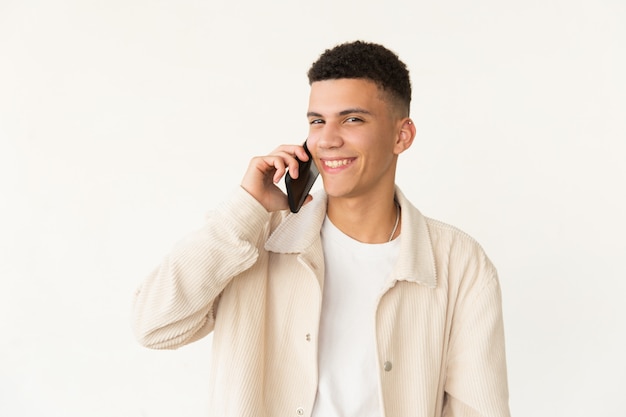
336, 163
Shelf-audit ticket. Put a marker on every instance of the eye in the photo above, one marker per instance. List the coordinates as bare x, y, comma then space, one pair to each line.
316, 121
353, 120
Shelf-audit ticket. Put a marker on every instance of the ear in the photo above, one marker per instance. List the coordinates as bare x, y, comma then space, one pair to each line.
406, 135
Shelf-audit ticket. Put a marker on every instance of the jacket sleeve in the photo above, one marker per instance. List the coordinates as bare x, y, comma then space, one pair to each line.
176, 303
476, 380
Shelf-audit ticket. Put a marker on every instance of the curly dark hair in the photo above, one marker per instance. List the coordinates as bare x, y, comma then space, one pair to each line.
366, 60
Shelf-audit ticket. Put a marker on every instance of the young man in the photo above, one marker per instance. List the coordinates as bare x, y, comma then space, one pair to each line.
358, 305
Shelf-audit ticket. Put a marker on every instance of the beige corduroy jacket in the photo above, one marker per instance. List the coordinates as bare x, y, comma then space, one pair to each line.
255, 279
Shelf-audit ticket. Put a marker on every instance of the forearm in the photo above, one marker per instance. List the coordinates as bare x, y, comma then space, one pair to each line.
175, 304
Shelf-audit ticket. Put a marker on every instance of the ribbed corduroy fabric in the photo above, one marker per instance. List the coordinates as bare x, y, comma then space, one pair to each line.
255, 280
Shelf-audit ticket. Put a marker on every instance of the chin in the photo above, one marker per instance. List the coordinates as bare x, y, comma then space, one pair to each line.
339, 189
336, 192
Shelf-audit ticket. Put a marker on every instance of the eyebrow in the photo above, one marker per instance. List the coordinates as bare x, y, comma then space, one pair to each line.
345, 112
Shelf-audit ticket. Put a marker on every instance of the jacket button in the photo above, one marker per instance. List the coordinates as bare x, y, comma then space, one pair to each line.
387, 366
300, 411
308, 337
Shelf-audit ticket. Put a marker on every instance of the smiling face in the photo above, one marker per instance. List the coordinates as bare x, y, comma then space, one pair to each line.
355, 136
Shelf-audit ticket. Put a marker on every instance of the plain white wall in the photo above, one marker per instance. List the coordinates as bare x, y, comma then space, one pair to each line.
123, 122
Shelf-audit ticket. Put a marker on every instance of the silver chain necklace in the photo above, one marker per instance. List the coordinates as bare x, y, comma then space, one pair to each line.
395, 226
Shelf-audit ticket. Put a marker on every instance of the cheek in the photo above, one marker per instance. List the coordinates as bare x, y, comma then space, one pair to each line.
382, 148
312, 137
311, 142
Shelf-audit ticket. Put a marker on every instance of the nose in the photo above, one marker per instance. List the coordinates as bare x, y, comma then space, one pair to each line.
327, 137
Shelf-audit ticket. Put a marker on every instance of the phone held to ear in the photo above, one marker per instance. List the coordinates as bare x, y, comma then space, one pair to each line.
298, 189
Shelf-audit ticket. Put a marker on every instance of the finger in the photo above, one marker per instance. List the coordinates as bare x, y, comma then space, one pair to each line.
290, 162
268, 166
293, 151
301, 154
279, 166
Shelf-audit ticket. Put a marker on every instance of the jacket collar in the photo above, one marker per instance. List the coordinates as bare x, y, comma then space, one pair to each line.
298, 231
416, 261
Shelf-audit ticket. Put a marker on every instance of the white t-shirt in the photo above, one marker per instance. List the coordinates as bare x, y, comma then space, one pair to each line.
348, 368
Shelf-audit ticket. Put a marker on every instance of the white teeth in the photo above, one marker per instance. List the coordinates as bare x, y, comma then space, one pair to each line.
336, 163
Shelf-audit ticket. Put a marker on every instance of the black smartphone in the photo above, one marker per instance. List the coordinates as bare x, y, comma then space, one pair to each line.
298, 189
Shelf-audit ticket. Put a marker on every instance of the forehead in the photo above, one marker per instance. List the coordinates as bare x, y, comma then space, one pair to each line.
331, 96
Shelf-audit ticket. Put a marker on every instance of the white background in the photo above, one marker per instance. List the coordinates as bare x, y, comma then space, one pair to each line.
123, 122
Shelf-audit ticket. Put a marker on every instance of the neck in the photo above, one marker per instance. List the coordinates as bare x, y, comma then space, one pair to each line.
366, 221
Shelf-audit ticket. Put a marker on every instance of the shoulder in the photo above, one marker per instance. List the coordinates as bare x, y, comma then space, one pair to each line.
458, 254
448, 234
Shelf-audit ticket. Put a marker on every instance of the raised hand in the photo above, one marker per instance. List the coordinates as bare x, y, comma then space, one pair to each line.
264, 172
